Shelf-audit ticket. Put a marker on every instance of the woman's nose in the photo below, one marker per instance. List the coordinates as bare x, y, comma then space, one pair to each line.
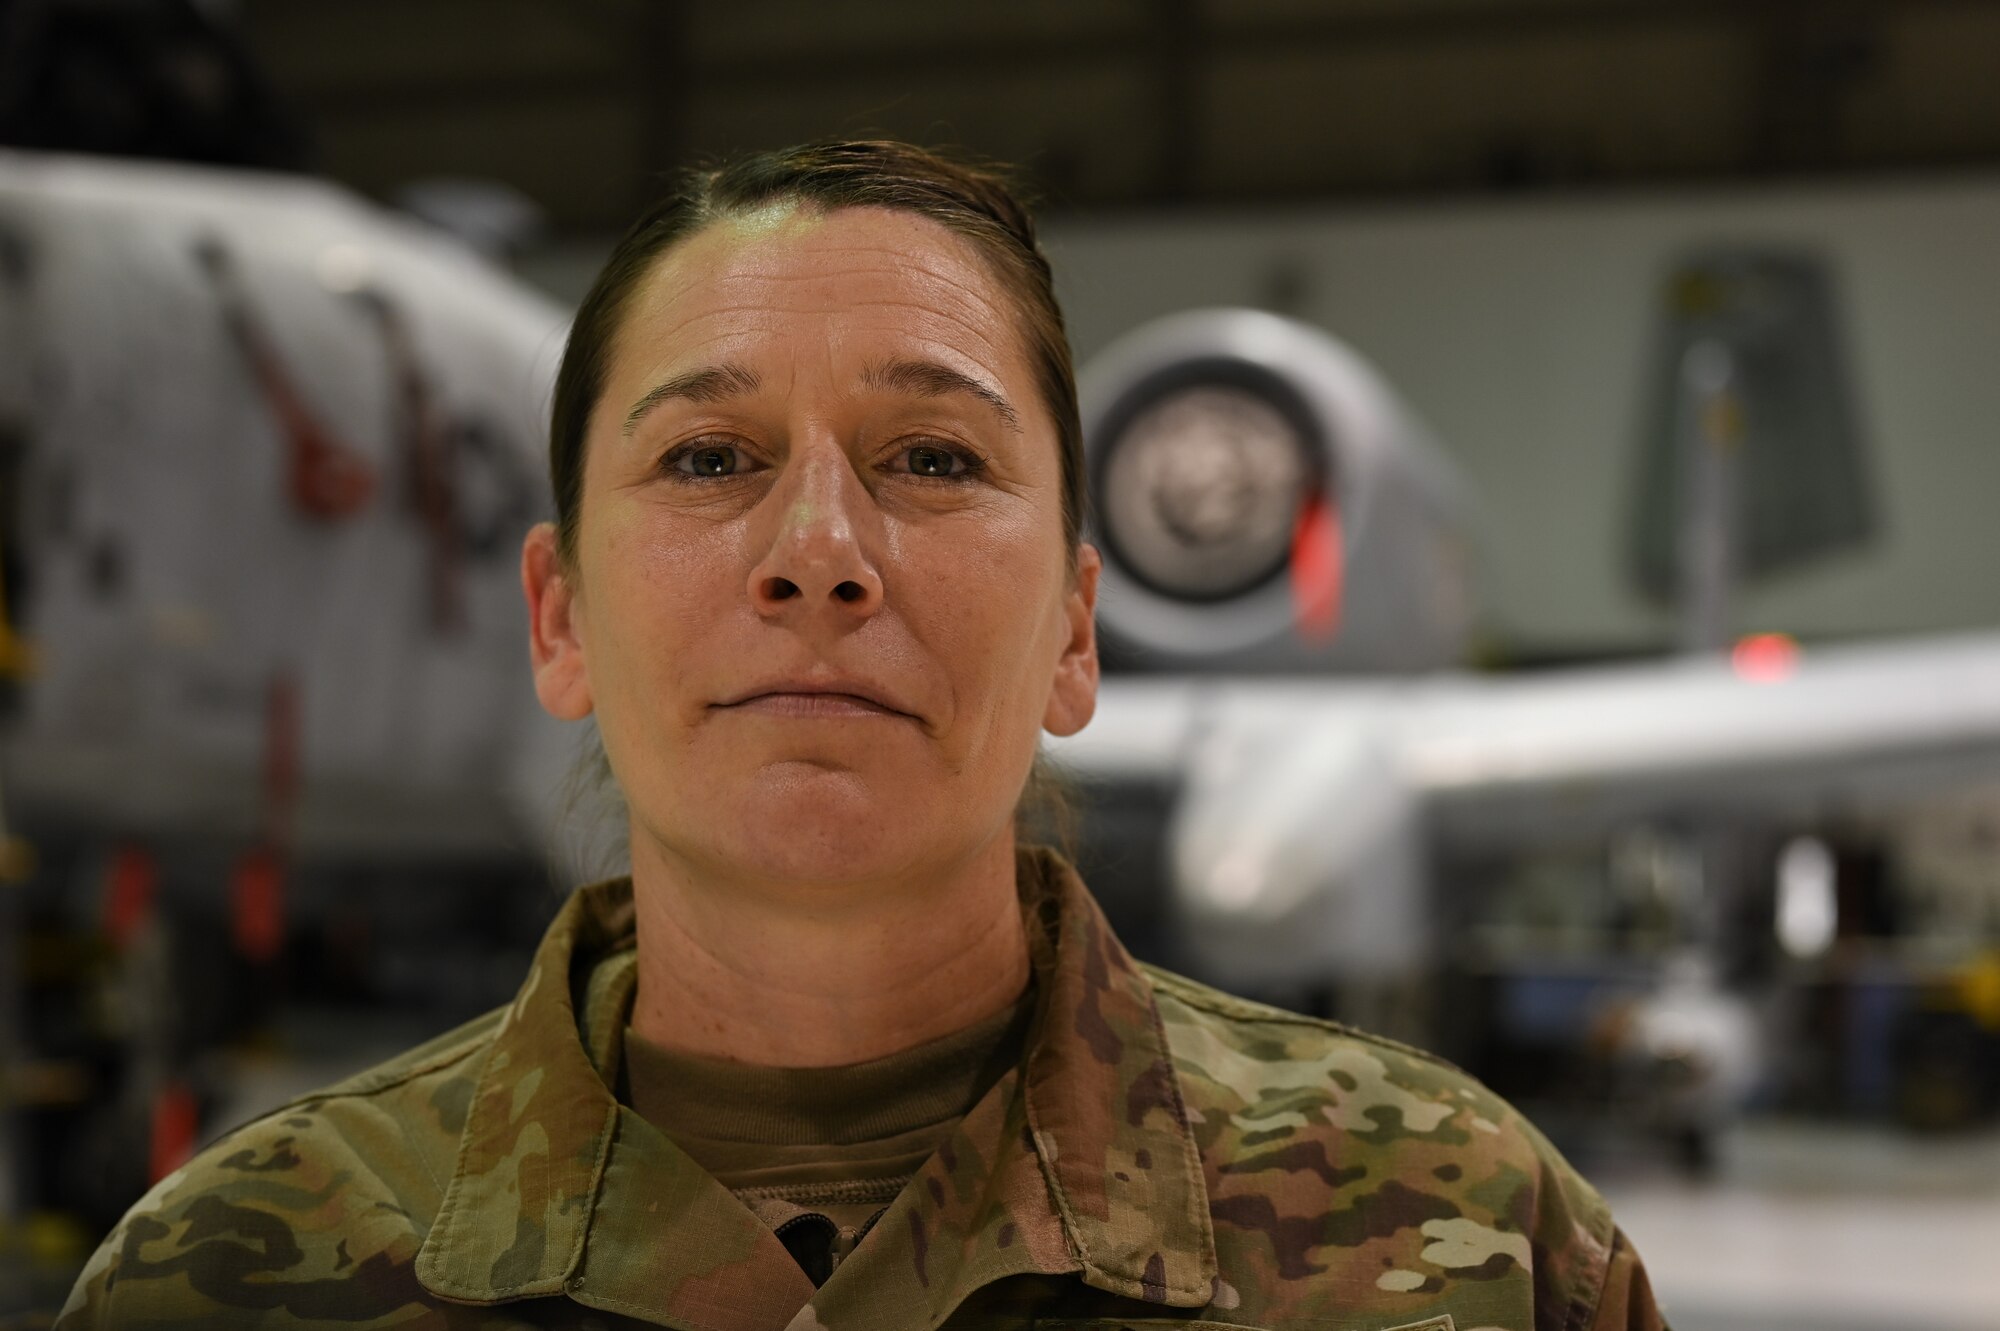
817, 563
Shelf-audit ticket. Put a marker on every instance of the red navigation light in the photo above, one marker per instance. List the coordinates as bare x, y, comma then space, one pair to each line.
1765, 658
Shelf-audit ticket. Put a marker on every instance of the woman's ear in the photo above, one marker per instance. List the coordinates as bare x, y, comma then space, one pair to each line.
1073, 699
555, 649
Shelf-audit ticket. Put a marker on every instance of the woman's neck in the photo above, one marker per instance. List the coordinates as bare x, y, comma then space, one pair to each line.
763, 979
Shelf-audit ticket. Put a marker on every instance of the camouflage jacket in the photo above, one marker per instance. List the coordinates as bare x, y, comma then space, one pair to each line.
1164, 1155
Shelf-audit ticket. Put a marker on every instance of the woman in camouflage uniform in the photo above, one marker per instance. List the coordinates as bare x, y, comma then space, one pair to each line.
839, 1053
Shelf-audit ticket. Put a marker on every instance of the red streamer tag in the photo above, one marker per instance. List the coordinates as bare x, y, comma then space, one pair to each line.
129, 889
1318, 571
176, 1120
256, 908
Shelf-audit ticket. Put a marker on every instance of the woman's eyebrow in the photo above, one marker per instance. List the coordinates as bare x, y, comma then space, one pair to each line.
711, 383
927, 378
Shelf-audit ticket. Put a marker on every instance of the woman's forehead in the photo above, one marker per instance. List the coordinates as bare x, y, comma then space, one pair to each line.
787, 274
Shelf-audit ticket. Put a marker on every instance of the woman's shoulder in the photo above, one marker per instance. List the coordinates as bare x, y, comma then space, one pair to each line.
1296, 1115
316, 1208
1249, 1045
1260, 1077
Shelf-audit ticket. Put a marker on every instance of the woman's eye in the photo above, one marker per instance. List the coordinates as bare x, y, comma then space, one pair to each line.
705, 460
928, 460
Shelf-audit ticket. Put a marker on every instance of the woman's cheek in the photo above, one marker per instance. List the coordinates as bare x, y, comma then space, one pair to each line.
991, 559
679, 577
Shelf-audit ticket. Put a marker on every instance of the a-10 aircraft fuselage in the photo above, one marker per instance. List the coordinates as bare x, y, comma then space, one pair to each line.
272, 451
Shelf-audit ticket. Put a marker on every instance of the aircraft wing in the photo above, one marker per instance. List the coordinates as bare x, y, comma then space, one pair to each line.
1845, 727
1308, 811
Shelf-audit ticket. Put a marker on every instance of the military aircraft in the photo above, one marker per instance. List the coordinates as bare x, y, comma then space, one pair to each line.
268, 451
1326, 751
265, 450
1288, 586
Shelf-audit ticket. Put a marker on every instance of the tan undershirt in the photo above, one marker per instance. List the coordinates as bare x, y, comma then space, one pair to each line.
797, 1144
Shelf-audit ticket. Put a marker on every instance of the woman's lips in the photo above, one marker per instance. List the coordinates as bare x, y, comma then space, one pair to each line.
809, 706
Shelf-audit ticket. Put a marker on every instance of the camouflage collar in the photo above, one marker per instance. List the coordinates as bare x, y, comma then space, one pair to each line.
514, 1216
1082, 1163
1105, 1106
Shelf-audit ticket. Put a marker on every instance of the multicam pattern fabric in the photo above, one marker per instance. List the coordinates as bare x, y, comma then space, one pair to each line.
1164, 1155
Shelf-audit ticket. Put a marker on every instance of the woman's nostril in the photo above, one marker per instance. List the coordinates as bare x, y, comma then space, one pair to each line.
781, 589
849, 591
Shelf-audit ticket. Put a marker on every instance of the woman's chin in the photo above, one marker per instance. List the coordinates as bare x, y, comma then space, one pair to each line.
832, 827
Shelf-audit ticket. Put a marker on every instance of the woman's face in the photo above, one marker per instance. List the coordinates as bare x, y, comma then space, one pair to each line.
820, 603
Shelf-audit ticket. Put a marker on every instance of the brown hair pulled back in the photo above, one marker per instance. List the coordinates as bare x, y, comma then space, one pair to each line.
975, 202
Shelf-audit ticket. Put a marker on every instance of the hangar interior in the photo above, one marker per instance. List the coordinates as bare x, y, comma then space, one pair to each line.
1769, 1028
